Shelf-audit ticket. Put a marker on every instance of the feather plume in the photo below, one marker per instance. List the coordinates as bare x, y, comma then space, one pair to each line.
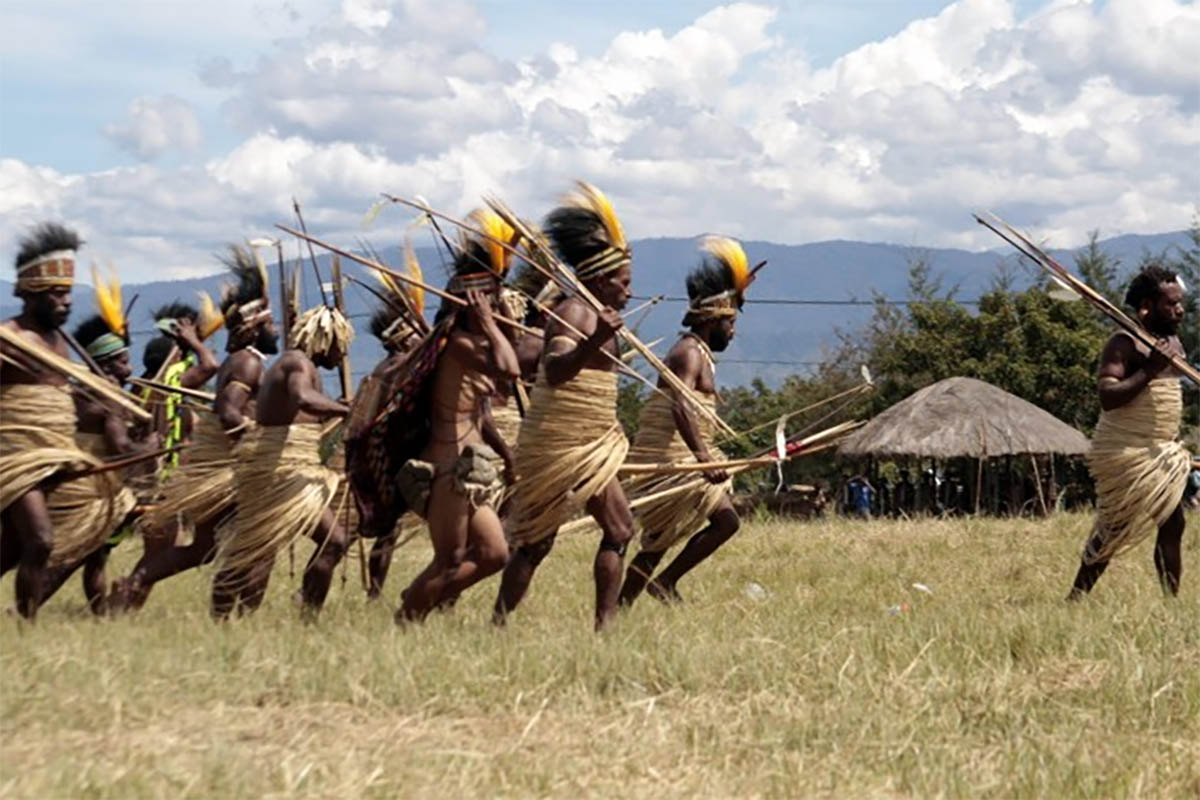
108, 300
497, 230
730, 253
415, 293
211, 320
46, 238
589, 197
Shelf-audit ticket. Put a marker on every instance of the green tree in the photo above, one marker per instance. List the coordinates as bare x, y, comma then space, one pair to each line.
1100, 270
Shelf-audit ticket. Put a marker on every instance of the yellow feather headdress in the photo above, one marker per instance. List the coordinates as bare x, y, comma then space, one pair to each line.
497, 230
108, 300
211, 319
716, 288
587, 233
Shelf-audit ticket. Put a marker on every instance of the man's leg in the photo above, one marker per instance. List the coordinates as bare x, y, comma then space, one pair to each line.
468, 546
1168, 551
379, 563
611, 511
722, 525
331, 541
29, 518
1088, 574
518, 573
638, 575
162, 563
95, 580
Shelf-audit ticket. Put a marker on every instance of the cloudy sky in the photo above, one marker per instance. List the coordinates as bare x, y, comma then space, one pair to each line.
163, 128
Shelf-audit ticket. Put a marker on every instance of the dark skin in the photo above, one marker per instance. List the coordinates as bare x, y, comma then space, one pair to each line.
564, 356
27, 533
689, 362
113, 424
380, 560
237, 382
468, 543
290, 393
1126, 370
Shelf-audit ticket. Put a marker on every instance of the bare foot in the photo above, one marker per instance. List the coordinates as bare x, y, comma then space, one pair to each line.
664, 593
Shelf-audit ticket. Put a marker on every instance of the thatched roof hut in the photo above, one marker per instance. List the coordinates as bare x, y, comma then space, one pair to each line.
963, 417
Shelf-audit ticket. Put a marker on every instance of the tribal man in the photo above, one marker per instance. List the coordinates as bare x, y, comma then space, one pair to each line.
397, 329
452, 480
571, 443
670, 432
281, 489
201, 491
45, 522
1139, 466
104, 431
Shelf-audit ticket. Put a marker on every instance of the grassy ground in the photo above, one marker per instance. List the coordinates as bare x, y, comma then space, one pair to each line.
989, 687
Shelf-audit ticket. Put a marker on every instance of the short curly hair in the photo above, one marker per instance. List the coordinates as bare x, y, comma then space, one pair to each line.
1147, 284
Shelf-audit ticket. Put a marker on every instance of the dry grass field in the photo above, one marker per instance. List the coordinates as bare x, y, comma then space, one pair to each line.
990, 686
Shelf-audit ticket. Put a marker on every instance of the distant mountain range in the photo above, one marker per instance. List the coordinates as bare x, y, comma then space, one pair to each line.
774, 339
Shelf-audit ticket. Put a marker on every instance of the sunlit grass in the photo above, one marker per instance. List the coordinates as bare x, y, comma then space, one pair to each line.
990, 686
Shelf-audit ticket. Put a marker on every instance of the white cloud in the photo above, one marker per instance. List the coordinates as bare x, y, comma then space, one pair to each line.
154, 125
1081, 116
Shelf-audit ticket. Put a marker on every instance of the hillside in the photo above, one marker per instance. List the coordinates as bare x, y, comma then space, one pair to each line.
785, 335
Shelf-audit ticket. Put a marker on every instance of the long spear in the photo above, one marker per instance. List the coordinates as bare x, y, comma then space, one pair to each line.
311, 255
98, 387
366, 262
568, 282
1099, 301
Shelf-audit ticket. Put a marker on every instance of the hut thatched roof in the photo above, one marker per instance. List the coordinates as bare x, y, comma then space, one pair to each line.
963, 417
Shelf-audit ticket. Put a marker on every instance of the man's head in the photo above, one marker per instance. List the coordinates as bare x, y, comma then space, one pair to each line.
324, 335
168, 317
155, 354
587, 234
45, 266
1156, 294
716, 291
107, 348
614, 288
245, 304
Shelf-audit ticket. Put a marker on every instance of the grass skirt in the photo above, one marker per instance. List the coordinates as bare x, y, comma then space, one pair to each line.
281, 490
666, 521
202, 487
37, 440
569, 449
1139, 468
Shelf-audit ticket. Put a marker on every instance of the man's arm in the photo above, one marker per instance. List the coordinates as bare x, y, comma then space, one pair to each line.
494, 355
308, 398
206, 363
1119, 382
685, 361
493, 439
565, 354
233, 399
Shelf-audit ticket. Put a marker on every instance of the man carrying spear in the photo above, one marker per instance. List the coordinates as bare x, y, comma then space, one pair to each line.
449, 473
281, 489
1139, 466
201, 491
670, 432
45, 523
104, 431
571, 443
399, 325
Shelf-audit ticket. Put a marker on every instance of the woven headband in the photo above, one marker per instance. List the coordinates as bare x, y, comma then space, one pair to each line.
48, 271
607, 260
107, 345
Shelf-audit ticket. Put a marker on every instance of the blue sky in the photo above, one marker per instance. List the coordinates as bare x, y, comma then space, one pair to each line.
165, 127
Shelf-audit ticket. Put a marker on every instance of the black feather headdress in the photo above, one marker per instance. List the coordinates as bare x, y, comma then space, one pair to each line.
46, 258
587, 234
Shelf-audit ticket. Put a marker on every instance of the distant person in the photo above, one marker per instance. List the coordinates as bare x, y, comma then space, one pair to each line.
860, 495
1139, 466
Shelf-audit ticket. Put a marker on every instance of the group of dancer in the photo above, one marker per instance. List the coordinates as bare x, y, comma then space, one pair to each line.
495, 424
